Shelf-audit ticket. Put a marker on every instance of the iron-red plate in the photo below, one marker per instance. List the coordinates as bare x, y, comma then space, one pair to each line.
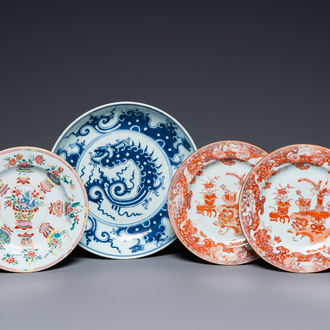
203, 201
285, 208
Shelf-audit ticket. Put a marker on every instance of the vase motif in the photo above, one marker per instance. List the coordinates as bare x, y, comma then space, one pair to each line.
49, 183
23, 217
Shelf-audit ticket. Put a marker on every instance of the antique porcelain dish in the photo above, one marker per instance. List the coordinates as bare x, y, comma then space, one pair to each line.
126, 154
285, 208
43, 209
203, 199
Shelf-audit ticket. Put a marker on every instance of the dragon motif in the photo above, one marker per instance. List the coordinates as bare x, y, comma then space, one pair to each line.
123, 176
120, 153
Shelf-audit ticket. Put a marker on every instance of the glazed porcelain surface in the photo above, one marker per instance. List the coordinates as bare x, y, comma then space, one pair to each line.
43, 209
126, 154
285, 208
203, 201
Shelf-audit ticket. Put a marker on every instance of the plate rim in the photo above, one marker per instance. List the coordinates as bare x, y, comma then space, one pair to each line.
86, 206
241, 197
132, 103
119, 103
168, 198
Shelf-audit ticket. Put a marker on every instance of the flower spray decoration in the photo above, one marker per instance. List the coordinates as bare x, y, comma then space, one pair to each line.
24, 200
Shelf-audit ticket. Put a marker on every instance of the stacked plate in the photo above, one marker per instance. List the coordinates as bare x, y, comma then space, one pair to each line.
230, 202
203, 201
125, 179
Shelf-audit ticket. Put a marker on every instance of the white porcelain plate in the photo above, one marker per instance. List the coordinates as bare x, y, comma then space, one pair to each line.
43, 209
285, 208
126, 154
203, 201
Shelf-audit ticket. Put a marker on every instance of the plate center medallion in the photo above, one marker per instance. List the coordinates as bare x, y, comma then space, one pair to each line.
23, 205
125, 175
215, 206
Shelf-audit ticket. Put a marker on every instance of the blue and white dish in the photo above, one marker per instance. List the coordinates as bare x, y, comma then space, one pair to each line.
126, 154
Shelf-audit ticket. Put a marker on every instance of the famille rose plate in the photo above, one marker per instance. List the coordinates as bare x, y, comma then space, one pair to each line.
285, 208
203, 201
126, 154
43, 209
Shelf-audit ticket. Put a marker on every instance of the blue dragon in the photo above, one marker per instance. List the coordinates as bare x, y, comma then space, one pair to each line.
124, 191
112, 155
